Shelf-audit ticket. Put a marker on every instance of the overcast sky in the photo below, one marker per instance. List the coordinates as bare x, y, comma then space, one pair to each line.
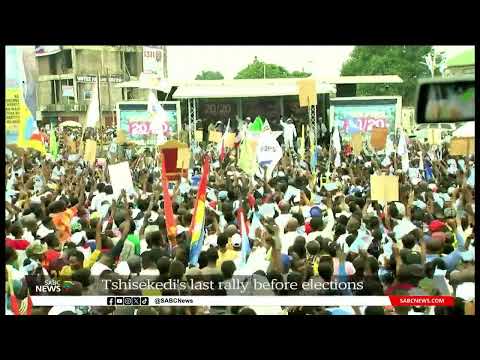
185, 62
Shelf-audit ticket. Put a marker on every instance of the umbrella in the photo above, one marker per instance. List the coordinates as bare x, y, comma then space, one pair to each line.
70, 123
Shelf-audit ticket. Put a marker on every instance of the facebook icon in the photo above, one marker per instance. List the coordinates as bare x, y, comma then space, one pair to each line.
110, 301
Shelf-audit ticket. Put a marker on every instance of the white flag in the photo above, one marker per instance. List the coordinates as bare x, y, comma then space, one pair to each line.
337, 146
159, 121
93, 113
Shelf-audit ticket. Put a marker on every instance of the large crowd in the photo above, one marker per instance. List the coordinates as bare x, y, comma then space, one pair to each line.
310, 222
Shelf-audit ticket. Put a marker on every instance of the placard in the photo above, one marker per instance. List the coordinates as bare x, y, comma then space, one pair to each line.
183, 158
230, 140
199, 135
121, 178
434, 136
307, 92
90, 152
384, 188
121, 137
357, 143
379, 138
462, 146
215, 136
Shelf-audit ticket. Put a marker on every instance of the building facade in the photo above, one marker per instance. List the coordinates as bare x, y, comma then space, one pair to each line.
67, 78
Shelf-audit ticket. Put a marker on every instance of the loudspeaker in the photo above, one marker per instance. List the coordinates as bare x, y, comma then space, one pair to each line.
346, 90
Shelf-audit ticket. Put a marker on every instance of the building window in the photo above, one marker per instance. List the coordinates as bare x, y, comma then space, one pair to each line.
67, 60
131, 63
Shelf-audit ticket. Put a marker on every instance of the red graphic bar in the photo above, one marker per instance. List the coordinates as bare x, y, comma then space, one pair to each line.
397, 300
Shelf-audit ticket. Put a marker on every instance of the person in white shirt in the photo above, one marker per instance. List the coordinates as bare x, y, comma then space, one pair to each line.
289, 237
282, 219
289, 133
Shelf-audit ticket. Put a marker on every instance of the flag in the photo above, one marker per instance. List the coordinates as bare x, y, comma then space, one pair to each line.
337, 146
313, 167
159, 122
254, 225
266, 126
26, 305
28, 134
53, 147
257, 125
221, 144
197, 227
302, 144
93, 112
402, 151
244, 235
247, 160
167, 206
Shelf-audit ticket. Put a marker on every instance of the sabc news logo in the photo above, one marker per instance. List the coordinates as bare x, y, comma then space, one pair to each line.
49, 286
127, 300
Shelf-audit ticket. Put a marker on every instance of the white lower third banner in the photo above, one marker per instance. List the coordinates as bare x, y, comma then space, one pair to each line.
211, 300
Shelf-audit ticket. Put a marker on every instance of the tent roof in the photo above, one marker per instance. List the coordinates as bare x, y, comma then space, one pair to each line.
253, 87
243, 88
267, 87
463, 59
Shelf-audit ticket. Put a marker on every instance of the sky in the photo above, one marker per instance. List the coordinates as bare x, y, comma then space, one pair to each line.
185, 62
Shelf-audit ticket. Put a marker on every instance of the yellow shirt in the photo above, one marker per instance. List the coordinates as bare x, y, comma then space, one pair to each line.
225, 256
87, 264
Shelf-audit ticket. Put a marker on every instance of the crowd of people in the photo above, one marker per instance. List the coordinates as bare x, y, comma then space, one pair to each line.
311, 222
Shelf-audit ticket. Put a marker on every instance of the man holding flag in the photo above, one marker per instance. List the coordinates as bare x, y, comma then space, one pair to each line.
197, 227
167, 207
221, 145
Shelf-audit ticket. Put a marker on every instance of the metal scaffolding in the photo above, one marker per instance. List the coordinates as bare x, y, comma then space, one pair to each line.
192, 120
312, 121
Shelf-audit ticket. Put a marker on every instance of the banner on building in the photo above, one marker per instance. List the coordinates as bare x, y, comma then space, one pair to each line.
153, 60
44, 50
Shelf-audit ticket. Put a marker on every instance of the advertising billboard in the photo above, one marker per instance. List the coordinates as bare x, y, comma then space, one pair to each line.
134, 119
21, 91
351, 115
153, 60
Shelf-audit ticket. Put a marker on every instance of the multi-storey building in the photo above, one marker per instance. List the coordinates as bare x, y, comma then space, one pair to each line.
67, 78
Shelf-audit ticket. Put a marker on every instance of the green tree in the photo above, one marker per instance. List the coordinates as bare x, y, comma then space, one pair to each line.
299, 74
408, 62
259, 70
209, 75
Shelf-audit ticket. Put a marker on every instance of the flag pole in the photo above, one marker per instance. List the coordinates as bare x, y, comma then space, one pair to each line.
99, 113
